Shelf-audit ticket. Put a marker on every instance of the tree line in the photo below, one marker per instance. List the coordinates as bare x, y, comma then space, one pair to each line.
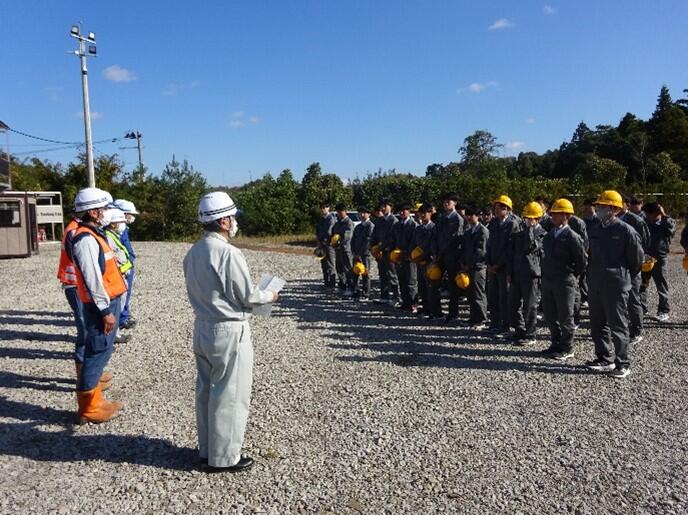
642, 157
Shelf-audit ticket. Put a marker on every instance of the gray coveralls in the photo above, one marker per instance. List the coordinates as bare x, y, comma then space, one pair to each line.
406, 270
524, 271
446, 250
661, 235
473, 252
343, 256
497, 285
635, 305
222, 296
422, 237
616, 255
383, 234
323, 232
563, 261
360, 247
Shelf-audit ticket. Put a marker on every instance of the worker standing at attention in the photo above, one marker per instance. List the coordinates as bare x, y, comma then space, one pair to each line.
222, 296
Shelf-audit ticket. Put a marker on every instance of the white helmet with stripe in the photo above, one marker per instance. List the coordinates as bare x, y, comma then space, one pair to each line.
127, 206
214, 206
116, 215
91, 198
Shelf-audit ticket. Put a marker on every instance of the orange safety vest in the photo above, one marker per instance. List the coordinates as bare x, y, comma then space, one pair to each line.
66, 272
112, 279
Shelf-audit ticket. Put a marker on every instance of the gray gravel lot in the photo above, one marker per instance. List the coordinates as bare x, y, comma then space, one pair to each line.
356, 409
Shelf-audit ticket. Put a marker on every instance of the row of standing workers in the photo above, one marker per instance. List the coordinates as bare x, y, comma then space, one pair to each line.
509, 268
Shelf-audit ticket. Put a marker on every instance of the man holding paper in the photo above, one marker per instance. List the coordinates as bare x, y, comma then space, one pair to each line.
222, 296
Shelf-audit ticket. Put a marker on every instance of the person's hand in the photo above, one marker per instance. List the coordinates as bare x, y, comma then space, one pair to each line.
275, 296
108, 323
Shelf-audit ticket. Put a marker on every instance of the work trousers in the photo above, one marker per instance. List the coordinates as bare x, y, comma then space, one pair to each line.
98, 345
224, 366
389, 282
429, 292
343, 262
524, 293
578, 301
408, 282
124, 315
498, 299
78, 312
327, 265
609, 323
658, 275
475, 294
635, 308
361, 283
558, 297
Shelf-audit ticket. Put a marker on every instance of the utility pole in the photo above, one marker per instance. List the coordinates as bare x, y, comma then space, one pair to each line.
82, 53
137, 136
5, 129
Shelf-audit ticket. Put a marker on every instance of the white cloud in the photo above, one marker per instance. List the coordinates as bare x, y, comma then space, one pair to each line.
239, 119
548, 9
174, 88
501, 23
515, 145
116, 73
95, 115
530, 120
478, 87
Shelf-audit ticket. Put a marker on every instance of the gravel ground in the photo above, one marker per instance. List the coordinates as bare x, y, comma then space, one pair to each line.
356, 409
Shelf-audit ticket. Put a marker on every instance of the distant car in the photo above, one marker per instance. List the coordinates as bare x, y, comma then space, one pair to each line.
355, 217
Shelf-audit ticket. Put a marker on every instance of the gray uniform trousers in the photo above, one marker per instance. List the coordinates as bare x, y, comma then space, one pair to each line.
327, 264
224, 362
524, 294
452, 270
609, 323
475, 294
498, 300
577, 302
344, 262
635, 308
658, 275
558, 299
361, 283
389, 282
408, 282
429, 292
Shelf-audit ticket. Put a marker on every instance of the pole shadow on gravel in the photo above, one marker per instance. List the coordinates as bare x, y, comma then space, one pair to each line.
386, 335
26, 439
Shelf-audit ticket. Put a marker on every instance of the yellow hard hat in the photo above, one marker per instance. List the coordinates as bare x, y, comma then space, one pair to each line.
462, 280
359, 268
376, 251
562, 205
319, 253
418, 205
532, 210
610, 198
395, 256
417, 255
334, 240
503, 199
649, 264
434, 272
684, 263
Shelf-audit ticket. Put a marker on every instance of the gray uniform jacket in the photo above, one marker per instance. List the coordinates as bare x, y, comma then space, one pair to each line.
363, 235
345, 229
616, 255
591, 222
474, 246
640, 226
661, 234
525, 252
579, 226
323, 230
564, 256
448, 232
498, 244
218, 282
384, 232
403, 235
423, 236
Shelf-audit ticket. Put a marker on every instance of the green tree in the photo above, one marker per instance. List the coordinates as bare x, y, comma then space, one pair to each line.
182, 187
478, 147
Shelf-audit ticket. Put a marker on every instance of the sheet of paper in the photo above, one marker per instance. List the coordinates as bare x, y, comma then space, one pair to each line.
272, 284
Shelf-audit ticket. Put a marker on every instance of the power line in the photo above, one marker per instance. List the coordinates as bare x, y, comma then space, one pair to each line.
108, 140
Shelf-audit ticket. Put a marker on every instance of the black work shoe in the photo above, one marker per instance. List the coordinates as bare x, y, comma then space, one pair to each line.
245, 463
599, 365
620, 372
123, 338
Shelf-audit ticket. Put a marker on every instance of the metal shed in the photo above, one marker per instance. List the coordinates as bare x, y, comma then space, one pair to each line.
18, 228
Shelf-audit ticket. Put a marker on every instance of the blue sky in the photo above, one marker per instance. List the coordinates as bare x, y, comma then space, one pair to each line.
244, 88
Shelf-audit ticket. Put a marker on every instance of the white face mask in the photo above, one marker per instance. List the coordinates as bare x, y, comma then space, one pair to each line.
233, 228
120, 227
105, 219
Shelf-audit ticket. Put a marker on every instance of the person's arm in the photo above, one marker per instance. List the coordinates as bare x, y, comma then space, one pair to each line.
86, 253
348, 233
635, 254
580, 258
668, 226
237, 278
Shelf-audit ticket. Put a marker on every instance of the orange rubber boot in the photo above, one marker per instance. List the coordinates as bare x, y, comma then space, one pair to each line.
93, 407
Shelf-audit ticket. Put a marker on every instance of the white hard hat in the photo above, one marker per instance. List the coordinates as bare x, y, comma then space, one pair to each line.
91, 198
127, 206
116, 215
214, 206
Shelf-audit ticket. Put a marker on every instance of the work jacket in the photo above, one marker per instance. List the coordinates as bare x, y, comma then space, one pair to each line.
640, 225
448, 232
403, 235
616, 255
363, 235
474, 246
564, 257
422, 237
498, 244
345, 229
384, 232
525, 251
661, 234
323, 230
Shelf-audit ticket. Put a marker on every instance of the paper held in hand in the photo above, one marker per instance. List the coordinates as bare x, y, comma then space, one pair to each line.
272, 284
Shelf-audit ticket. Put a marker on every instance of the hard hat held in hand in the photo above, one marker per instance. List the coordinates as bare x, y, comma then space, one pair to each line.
562, 205
462, 280
434, 272
319, 253
417, 255
395, 256
335, 239
649, 264
610, 198
532, 210
376, 251
359, 268
91, 198
214, 206
503, 199
684, 263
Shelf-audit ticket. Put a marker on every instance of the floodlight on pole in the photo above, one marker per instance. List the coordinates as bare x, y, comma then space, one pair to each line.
82, 53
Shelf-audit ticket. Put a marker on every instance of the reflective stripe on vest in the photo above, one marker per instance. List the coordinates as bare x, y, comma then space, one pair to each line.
127, 265
65, 271
112, 278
